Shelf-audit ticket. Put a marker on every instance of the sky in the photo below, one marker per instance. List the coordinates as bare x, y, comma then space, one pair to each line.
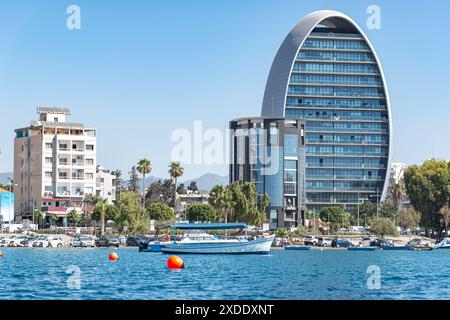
139, 70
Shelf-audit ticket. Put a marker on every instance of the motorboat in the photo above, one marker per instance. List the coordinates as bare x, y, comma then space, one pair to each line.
444, 244
200, 242
298, 248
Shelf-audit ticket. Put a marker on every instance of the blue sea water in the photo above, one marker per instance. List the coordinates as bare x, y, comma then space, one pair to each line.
329, 274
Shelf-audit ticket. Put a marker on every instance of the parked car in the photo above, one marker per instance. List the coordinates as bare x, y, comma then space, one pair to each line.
123, 240
47, 242
311, 241
419, 243
324, 242
6, 241
108, 242
277, 242
19, 241
87, 242
382, 243
367, 241
135, 240
341, 243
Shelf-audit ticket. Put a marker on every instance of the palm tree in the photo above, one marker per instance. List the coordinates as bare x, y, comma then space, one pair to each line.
144, 168
175, 171
39, 215
100, 205
397, 193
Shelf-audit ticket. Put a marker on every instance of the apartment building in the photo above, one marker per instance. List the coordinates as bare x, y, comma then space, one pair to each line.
105, 184
54, 164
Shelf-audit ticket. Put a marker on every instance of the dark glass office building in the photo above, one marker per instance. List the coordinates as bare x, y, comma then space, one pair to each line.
270, 152
327, 74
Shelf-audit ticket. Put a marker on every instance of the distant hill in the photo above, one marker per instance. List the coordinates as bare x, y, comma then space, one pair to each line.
4, 177
208, 180
204, 182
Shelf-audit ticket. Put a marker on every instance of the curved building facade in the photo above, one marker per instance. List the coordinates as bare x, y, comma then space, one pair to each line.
327, 74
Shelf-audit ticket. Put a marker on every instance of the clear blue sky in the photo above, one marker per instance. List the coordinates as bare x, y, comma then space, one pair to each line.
137, 70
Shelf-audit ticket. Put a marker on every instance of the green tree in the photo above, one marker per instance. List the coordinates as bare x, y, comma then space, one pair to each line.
193, 186
201, 212
133, 181
111, 213
384, 227
409, 219
132, 214
144, 167
181, 189
118, 181
160, 212
428, 190
73, 217
175, 172
101, 205
282, 233
39, 216
336, 215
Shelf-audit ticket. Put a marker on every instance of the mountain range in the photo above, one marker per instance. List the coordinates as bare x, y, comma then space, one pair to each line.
204, 182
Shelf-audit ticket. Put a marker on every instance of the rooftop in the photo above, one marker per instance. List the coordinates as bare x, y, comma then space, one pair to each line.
51, 124
54, 110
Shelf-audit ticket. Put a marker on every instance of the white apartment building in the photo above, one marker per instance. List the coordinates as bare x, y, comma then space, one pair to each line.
54, 164
105, 184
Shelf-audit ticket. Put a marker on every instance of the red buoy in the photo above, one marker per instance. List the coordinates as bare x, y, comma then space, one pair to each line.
175, 263
1, 253
113, 256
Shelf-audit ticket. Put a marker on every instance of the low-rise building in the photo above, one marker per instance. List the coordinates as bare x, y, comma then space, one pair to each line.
105, 184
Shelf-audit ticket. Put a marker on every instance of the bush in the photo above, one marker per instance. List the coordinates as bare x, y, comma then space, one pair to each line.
384, 227
201, 212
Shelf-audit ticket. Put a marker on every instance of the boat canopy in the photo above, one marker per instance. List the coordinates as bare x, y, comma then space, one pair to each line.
209, 226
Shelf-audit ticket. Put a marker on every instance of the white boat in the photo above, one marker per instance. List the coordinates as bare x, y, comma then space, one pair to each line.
204, 243
444, 244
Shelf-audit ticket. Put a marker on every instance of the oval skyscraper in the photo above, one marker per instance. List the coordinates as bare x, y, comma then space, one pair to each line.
327, 73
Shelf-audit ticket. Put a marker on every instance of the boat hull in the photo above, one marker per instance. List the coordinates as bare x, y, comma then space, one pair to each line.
298, 248
398, 248
362, 248
258, 246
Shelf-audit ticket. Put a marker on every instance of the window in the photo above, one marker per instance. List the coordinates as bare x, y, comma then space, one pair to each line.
90, 162
90, 147
48, 160
89, 190
49, 145
48, 189
48, 174
89, 175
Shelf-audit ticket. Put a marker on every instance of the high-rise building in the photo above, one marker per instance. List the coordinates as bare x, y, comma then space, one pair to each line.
54, 164
6, 206
327, 74
270, 152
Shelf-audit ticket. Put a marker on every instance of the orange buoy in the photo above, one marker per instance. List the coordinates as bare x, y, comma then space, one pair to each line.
113, 256
175, 263
1, 253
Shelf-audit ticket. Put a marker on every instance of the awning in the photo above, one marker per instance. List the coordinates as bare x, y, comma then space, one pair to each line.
209, 226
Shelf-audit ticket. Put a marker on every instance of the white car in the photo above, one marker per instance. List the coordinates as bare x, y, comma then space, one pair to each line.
310, 241
83, 242
47, 242
15, 241
325, 242
6, 241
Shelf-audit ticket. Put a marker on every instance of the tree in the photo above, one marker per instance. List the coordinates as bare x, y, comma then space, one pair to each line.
160, 212
144, 168
201, 212
336, 215
181, 189
132, 214
384, 227
118, 181
217, 200
445, 217
409, 219
111, 213
175, 171
193, 187
101, 205
73, 217
428, 190
39, 216
397, 193
133, 181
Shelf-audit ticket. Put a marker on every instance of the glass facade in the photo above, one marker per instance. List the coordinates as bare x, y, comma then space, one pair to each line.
336, 87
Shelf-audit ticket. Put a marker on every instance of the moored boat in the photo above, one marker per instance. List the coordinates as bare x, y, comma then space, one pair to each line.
298, 248
398, 248
362, 248
444, 244
203, 243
